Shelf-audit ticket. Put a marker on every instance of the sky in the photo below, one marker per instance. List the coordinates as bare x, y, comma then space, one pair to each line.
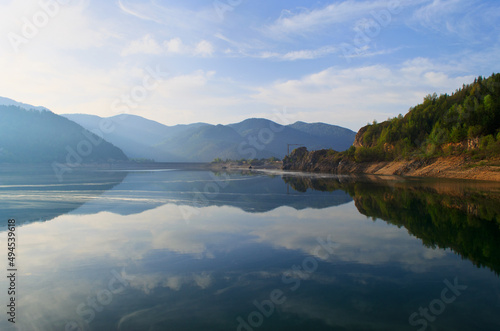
342, 62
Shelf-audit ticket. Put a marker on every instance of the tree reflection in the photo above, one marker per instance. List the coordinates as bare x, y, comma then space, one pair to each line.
464, 217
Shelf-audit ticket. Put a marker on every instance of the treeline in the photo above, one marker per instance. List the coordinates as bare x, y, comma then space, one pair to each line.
467, 121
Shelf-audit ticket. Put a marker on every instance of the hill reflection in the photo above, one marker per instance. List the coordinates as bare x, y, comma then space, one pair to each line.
461, 216
34, 193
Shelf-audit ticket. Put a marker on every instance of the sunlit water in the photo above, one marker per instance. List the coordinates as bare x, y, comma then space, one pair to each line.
194, 250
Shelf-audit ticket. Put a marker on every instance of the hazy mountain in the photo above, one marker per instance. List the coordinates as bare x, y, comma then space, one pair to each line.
203, 144
36, 135
200, 142
137, 136
276, 137
340, 138
10, 102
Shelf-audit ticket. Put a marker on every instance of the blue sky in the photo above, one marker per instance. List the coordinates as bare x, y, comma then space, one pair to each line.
340, 62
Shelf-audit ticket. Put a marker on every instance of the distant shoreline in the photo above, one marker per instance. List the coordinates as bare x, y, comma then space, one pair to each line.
451, 167
235, 165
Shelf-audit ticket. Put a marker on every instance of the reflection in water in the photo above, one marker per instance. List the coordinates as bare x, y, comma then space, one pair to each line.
462, 216
34, 193
130, 258
255, 193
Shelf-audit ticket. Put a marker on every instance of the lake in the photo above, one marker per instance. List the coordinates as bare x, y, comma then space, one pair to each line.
174, 249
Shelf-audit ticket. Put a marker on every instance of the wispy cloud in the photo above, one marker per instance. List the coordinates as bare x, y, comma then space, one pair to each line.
255, 51
149, 45
293, 59
306, 54
177, 16
306, 20
441, 15
366, 52
463, 18
131, 10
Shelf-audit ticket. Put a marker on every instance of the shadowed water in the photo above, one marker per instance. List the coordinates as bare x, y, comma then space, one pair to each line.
196, 250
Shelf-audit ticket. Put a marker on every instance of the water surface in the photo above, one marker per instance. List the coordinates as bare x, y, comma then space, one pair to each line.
196, 250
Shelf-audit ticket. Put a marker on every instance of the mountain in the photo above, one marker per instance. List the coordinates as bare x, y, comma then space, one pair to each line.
137, 136
342, 137
36, 135
313, 135
10, 102
201, 142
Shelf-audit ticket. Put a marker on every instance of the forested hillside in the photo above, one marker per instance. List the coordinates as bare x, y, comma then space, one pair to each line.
467, 121
452, 136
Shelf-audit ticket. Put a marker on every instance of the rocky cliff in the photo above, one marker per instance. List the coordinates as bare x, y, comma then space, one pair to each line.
358, 139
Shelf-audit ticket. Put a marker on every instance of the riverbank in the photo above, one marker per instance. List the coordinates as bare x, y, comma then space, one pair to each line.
457, 167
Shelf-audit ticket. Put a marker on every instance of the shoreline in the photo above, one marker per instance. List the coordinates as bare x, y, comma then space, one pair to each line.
443, 167
450, 167
238, 166
315, 162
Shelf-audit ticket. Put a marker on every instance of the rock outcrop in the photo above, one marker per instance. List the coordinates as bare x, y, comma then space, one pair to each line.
358, 140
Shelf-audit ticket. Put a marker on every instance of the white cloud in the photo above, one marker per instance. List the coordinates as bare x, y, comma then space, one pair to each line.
356, 96
174, 45
145, 45
149, 45
79, 62
65, 27
197, 96
204, 48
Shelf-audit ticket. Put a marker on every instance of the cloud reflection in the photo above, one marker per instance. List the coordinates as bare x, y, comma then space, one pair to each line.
222, 252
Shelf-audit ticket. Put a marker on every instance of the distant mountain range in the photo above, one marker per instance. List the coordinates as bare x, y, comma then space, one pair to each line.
34, 134
201, 142
31, 134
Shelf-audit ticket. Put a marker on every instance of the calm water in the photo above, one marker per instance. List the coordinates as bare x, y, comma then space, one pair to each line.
194, 250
